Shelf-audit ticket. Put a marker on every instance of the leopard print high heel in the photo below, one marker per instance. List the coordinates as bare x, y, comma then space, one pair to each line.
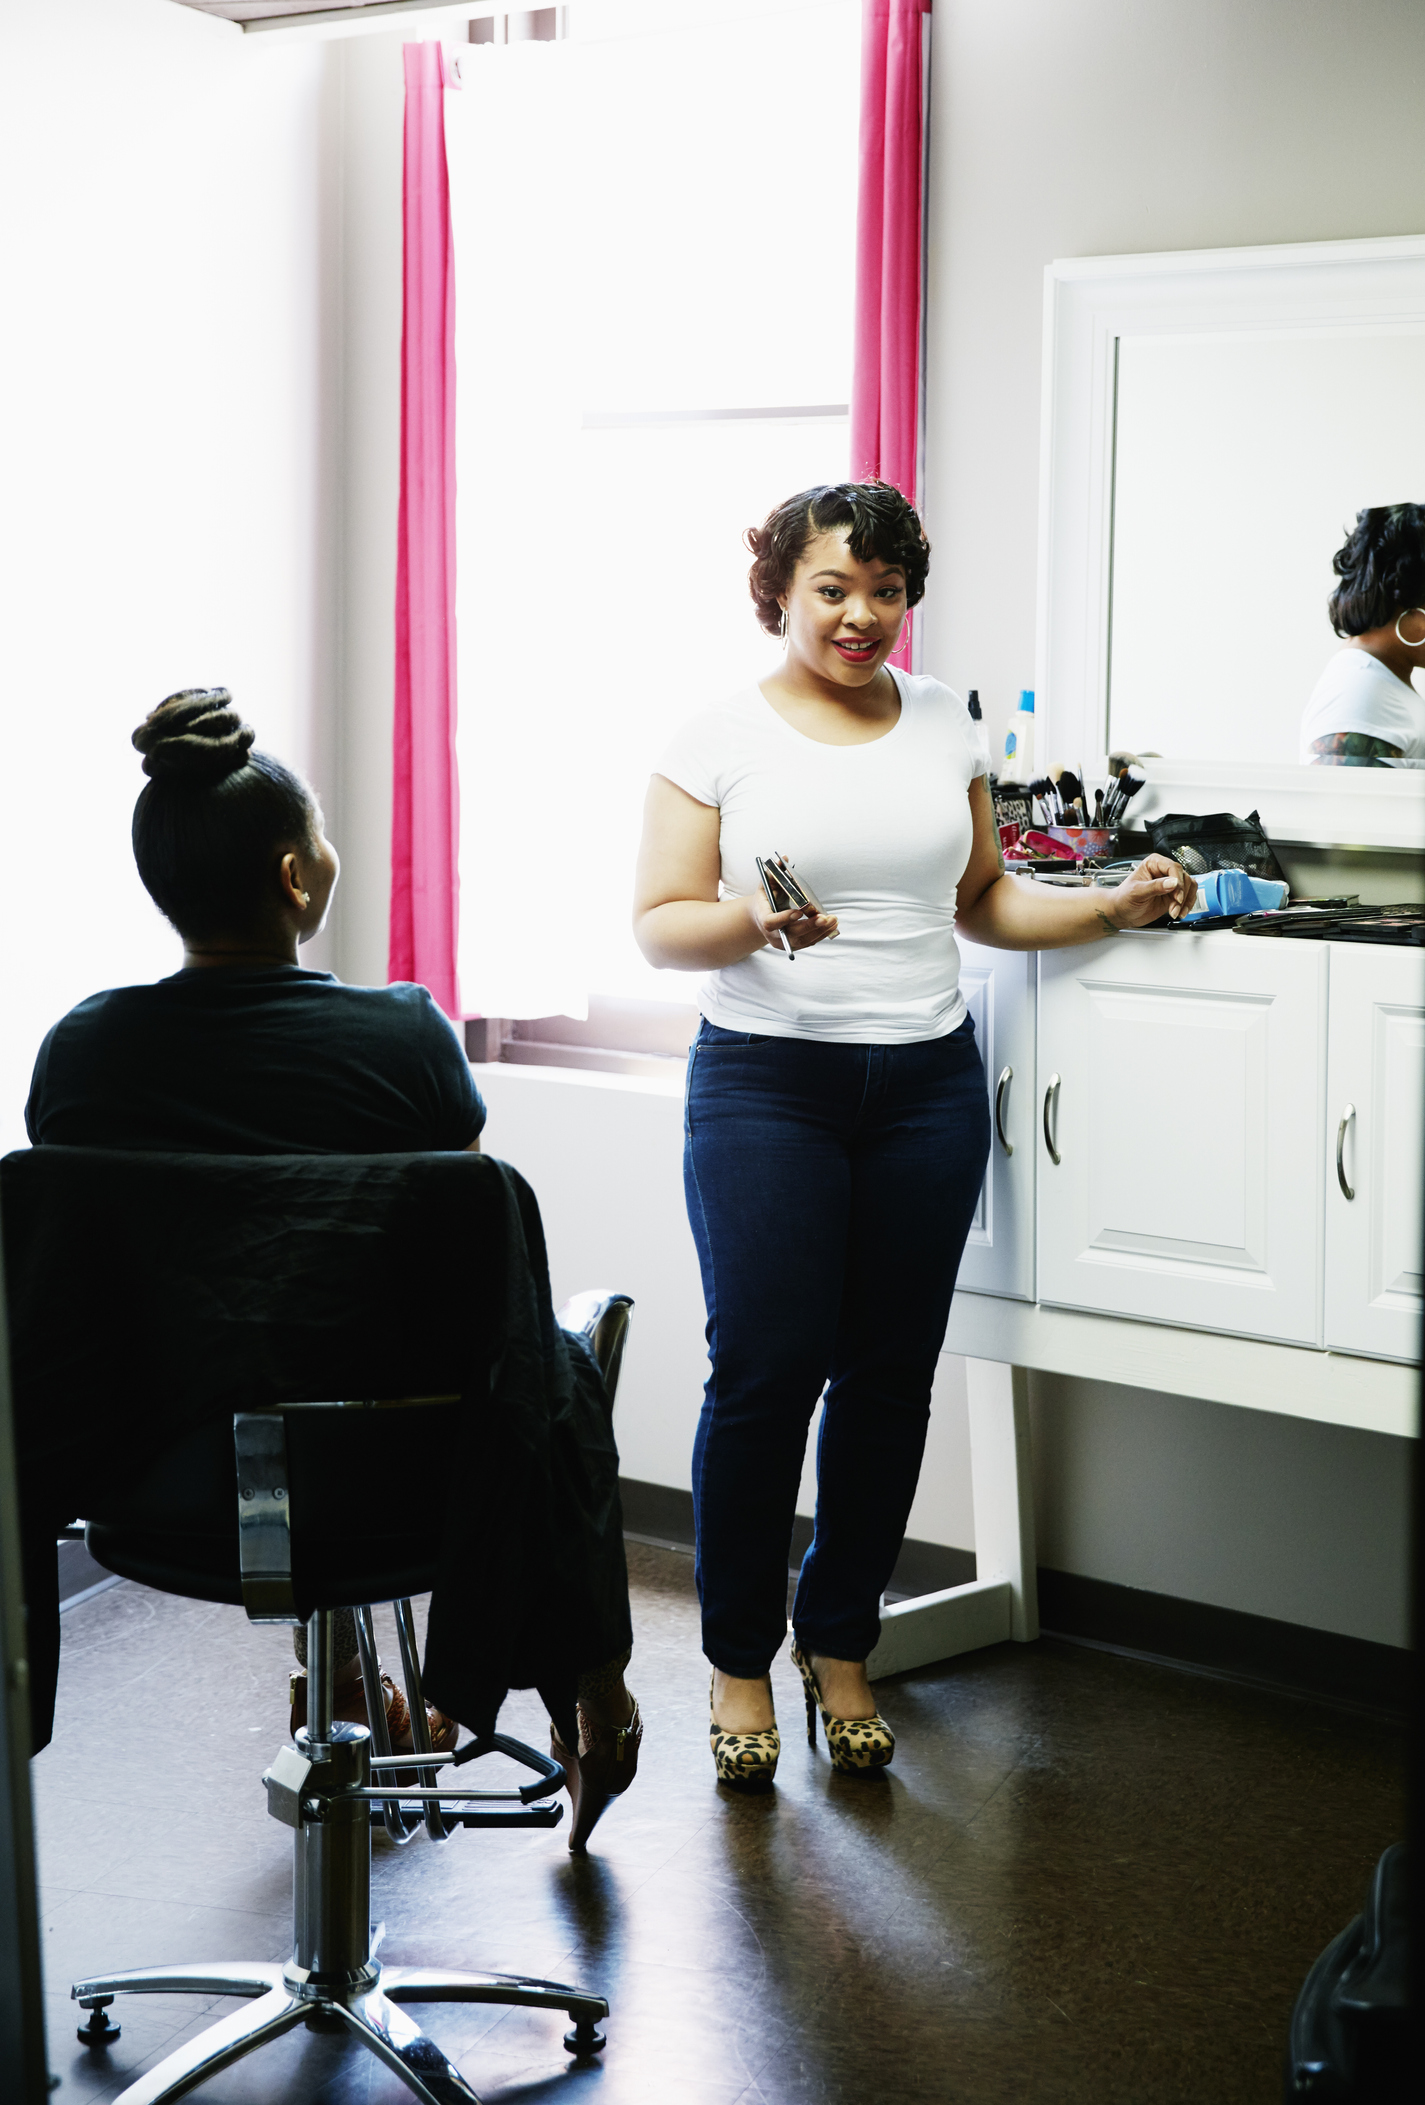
746, 1761
855, 1745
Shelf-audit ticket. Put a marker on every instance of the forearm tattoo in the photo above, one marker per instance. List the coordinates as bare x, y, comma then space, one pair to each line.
1352, 749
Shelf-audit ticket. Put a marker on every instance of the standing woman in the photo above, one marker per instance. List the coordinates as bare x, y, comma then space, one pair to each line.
837, 1124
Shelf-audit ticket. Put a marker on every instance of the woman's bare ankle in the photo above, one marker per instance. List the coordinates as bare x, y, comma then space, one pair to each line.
845, 1690
743, 1705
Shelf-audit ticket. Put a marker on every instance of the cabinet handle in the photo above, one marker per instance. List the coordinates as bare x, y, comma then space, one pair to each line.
1051, 1104
1006, 1077
1346, 1116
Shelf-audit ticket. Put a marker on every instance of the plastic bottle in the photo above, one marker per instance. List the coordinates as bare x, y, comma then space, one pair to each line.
1234, 892
1019, 739
980, 734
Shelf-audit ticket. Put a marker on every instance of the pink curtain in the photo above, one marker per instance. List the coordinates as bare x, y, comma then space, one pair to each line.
885, 385
425, 830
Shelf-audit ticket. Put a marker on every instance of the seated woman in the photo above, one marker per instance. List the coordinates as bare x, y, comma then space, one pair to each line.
1364, 710
243, 1052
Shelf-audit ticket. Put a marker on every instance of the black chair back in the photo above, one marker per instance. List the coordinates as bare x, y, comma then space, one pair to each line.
153, 1296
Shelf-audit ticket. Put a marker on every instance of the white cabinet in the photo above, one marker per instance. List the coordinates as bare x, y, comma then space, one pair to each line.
999, 990
1181, 1083
1375, 1143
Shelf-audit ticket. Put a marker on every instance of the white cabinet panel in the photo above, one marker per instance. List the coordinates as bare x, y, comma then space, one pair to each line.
1191, 1072
999, 990
1376, 1111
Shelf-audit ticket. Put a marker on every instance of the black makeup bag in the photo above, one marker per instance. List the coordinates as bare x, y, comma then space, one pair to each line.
1215, 841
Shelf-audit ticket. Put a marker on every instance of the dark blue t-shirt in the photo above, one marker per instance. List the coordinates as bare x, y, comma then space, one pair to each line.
235, 1062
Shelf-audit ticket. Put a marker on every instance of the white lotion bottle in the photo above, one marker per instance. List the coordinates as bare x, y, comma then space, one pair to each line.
1019, 740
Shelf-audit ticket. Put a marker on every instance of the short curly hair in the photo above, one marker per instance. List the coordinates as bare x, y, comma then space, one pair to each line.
1381, 568
883, 524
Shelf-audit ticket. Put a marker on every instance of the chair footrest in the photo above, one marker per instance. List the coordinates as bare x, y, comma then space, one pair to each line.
516, 1816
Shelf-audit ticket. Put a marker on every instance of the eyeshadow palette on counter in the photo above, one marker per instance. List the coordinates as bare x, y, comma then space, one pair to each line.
1401, 925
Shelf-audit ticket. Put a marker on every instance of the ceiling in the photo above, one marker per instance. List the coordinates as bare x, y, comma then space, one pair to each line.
265, 10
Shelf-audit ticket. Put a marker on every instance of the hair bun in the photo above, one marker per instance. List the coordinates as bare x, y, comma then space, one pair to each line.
194, 737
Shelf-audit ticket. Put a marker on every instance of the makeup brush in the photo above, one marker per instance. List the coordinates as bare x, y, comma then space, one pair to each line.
1039, 792
1130, 781
1133, 780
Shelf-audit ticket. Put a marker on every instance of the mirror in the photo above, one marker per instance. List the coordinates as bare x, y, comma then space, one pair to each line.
1240, 462
1213, 421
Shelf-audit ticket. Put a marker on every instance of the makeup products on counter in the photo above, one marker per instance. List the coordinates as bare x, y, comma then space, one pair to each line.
1401, 925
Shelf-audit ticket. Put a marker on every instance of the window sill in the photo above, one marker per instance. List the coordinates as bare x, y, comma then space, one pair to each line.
649, 1038
494, 1075
599, 1059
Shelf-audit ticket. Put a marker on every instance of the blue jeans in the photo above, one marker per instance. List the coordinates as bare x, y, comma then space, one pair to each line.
830, 1190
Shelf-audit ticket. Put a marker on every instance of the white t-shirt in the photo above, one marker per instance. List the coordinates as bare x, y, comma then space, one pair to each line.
1357, 693
881, 832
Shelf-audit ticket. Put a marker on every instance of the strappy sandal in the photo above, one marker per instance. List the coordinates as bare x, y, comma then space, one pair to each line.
604, 1767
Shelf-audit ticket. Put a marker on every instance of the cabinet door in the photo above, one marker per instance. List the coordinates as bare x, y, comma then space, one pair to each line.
1375, 1093
1191, 1072
999, 990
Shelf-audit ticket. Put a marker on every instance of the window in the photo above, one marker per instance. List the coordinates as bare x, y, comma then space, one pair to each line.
655, 258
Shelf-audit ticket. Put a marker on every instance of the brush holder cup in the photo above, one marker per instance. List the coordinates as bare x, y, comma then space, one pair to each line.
1085, 842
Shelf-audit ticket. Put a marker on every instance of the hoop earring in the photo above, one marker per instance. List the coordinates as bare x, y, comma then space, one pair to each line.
783, 630
1415, 646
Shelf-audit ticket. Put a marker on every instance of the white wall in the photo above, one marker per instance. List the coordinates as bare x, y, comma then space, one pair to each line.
1242, 1509
373, 97
1119, 126
165, 451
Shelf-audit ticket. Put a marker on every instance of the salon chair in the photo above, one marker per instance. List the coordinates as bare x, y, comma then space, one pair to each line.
330, 1787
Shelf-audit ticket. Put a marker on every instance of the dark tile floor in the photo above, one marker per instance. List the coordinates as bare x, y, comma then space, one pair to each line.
1084, 1879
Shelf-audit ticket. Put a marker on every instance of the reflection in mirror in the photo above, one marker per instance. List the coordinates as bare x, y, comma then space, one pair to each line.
1365, 710
1241, 463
